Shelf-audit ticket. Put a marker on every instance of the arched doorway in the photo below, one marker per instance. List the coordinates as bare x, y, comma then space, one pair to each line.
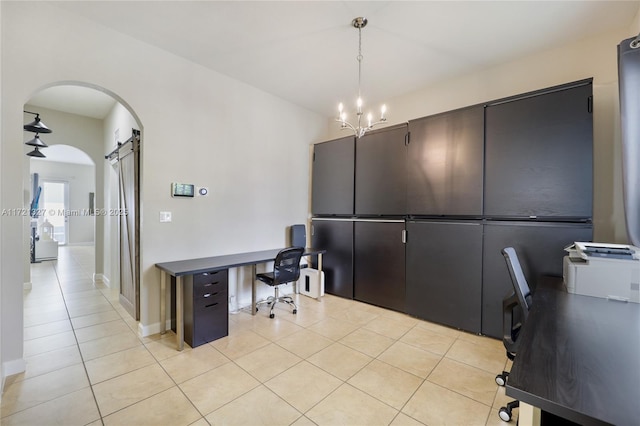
64, 185
94, 120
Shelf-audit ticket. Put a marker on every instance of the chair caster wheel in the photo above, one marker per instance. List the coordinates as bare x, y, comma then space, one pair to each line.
501, 380
295, 311
505, 414
271, 315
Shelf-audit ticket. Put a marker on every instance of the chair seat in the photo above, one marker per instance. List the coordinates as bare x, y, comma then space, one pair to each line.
266, 277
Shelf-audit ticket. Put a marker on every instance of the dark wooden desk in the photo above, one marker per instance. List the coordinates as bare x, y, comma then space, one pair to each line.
180, 268
579, 357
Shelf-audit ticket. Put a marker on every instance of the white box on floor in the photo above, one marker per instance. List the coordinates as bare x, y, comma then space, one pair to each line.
311, 282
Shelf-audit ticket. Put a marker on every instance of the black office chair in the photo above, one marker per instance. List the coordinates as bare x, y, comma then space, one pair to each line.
286, 269
515, 310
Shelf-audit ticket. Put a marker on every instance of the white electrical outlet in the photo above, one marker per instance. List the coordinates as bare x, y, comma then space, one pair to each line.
165, 217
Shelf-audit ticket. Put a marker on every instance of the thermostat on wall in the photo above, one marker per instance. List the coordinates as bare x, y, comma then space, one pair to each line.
182, 190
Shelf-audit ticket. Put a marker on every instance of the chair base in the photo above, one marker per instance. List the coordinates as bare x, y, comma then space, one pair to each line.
505, 413
272, 300
501, 379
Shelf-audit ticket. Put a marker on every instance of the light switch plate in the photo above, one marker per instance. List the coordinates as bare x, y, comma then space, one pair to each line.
165, 217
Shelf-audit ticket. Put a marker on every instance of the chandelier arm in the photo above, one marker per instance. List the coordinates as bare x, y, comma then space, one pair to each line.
346, 125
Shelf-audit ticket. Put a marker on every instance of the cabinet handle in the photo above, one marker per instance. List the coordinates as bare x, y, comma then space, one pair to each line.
404, 236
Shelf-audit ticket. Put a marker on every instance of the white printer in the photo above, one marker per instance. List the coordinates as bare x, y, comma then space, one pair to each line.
611, 271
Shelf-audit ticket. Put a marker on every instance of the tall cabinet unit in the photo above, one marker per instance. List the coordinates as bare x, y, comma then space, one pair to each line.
379, 263
539, 172
380, 206
332, 204
445, 170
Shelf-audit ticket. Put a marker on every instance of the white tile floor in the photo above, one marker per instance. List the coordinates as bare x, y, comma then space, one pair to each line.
336, 362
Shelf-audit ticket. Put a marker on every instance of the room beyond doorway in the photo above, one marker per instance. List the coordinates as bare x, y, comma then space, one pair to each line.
55, 205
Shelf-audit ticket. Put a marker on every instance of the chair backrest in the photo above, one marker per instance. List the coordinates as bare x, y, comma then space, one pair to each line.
520, 286
286, 266
298, 235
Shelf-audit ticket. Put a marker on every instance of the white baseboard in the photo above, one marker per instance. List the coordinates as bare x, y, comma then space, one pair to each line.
148, 330
101, 278
87, 244
27, 286
10, 368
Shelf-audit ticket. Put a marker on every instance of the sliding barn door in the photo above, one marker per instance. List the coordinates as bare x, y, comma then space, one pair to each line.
129, 227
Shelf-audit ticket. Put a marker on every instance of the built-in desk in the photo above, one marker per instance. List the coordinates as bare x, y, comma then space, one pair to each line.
579, 357
179, 269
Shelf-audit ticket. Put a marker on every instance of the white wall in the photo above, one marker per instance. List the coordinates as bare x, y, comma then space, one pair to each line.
249, 147
593, 57
81, 179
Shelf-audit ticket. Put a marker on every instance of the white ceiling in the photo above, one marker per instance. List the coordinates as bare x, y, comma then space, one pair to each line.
304, 51
65, 154
75, 100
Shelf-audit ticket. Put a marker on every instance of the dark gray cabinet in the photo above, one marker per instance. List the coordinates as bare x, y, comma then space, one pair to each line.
206, 309
444, 272
333, 177
539, 155
540, 249
381, 172
335, 236
379, 264
468, 182
445, 163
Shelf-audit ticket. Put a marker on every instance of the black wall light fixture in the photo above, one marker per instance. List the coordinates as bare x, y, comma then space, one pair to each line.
37, 127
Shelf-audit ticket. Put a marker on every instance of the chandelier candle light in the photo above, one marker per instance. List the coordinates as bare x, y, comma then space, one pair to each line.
359, 129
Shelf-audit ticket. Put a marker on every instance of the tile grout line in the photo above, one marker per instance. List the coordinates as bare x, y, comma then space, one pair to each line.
84, 366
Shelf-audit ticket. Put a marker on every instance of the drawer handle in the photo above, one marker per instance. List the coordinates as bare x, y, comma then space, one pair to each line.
210, 294
213, 304
210, 284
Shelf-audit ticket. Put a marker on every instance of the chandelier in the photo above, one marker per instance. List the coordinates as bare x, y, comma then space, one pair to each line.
359, 128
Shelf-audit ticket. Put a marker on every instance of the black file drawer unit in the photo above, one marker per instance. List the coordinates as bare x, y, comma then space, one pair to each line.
206, 311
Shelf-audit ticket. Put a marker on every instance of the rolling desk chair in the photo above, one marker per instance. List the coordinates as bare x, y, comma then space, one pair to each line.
286, 269
515, 310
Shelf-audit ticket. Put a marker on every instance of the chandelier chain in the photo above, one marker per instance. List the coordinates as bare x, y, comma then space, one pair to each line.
359, 61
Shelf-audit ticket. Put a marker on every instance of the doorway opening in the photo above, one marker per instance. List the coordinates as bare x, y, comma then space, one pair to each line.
55, 206
90, 118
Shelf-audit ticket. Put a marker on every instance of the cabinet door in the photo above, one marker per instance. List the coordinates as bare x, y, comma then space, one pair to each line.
333, 177
379, 264
337, 263
539, 155
445, 163
540, 249
381, 172
444, 273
